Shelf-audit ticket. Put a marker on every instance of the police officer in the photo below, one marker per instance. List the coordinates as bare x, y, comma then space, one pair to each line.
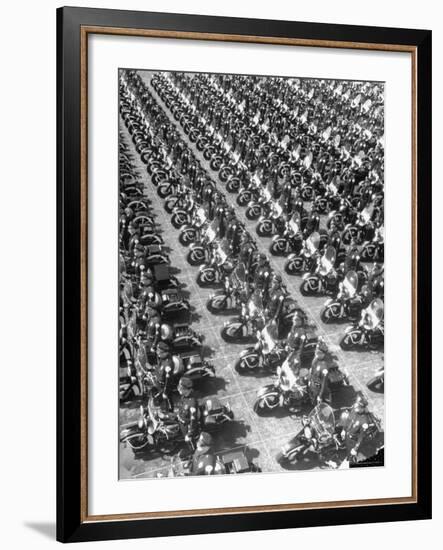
356, 424
276, 296
188, 413
262, 274
297, 335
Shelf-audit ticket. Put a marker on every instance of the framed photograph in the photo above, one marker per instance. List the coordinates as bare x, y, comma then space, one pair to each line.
244, 248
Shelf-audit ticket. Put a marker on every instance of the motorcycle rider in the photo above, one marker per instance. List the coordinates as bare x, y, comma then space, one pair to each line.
262, 274
188, 411
324, 372
354, 426
352, 259
276, 296
297, 335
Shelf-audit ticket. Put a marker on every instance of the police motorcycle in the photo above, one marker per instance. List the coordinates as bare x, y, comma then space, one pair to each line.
245, 326
362, 230
221, 265
325, 279
271, 223
234, 293
161, 431
201, 250
150, 256
170, 302
307, 258
266, 354
261, 204
289, 389
374, 250
179, 336
290, 241
191, 231
317, 438
251, 189
368, 333
347, 304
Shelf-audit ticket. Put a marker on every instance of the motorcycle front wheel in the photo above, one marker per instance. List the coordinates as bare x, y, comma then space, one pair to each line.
278, 247
207, 277
331, 313
351, 340
247, 363
187, 237
253, 212
196, 256
164, 190
294, 266
232, 333
266, 403
310, 286
265, 228
179, 219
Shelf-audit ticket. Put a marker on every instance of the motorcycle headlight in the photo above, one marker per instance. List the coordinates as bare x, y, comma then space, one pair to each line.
141, 424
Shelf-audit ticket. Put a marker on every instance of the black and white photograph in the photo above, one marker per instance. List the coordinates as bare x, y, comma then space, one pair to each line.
251, 274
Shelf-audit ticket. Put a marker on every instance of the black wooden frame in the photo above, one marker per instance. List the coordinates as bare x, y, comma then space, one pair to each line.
70, 526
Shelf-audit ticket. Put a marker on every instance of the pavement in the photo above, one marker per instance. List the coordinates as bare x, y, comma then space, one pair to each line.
260, 437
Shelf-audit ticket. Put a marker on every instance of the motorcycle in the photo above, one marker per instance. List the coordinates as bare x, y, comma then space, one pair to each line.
163, 434
369, 332
191, 232
347, 305
291, 240
267, 353
289, 390
233, 294
213, 274
317, 437
325, 279
245, 326
200, 252
270, 224
179, 337
306, 259
374, 251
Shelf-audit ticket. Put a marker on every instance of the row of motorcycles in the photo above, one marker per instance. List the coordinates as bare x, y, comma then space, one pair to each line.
347, 189
158, 347
216, 242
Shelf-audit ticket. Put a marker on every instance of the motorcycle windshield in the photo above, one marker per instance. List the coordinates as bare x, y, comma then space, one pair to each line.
350, 283
323, 420
375, 312
366, 213
221, 255
201, 216
328, 260
210, 233
313, 241
294, 222
255, 304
